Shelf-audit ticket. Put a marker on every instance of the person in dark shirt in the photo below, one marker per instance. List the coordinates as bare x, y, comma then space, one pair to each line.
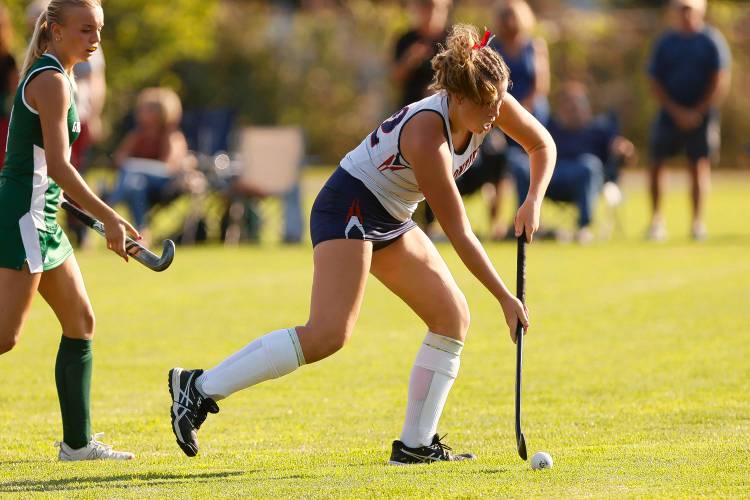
689, 71
589, 152
412, 72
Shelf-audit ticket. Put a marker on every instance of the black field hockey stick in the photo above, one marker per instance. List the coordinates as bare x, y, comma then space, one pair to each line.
521, 294
132, 247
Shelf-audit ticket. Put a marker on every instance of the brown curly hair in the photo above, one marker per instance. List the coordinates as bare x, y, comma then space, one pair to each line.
463, 70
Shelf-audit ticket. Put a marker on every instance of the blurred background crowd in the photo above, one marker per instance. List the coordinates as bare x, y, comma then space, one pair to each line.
214, 105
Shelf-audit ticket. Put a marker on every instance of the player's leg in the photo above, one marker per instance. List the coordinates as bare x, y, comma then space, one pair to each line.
701, 147
663, 143
657, 179
63, 289
341, 268
17, 288
700, 183
412, 268
494, 152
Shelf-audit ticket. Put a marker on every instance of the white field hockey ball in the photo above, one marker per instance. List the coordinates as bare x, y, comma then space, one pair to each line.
541, 460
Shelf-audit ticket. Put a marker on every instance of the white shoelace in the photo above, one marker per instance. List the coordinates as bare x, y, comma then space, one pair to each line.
99, 449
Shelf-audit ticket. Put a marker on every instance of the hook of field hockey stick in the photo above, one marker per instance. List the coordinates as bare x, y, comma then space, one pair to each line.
133, 248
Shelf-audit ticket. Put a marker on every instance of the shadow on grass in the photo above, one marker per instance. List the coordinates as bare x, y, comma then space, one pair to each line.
116, 481
3, 463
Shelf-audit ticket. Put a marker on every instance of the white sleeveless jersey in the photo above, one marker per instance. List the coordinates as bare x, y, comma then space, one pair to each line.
378, 162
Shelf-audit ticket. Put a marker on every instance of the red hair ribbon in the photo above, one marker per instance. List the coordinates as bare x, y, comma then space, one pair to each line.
485, 40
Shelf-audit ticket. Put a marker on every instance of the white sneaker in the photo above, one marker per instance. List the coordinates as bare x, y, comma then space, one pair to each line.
657, 232
612, 194
699, 232
95, 450
584, 236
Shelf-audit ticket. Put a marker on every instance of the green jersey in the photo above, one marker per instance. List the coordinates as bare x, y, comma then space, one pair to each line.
25, 187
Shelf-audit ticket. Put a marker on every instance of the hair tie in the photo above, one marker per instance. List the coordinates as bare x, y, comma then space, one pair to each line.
487, 38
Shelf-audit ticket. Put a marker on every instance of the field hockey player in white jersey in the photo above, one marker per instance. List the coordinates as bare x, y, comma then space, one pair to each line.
361, 223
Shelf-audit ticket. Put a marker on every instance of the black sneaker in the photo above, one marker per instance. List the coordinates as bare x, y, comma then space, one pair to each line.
436, 452
189, 408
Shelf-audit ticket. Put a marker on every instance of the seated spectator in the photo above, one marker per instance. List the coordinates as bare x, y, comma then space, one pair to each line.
153, 159
589, 152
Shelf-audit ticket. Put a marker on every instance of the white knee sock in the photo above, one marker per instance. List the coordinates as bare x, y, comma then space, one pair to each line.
432, 376
270, 356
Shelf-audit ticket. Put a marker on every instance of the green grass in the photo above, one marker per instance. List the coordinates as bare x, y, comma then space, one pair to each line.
636, 375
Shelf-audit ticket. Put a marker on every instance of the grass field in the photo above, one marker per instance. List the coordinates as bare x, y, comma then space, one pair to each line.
637, 378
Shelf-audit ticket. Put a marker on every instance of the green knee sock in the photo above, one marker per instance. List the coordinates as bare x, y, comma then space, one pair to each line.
73, 378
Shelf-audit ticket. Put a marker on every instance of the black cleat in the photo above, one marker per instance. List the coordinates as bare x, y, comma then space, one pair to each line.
436, 452
189, 408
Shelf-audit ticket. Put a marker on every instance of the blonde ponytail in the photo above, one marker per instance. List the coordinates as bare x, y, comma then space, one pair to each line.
38, 43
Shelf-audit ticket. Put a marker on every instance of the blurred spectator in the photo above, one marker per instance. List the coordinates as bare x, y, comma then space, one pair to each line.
412, 70
153, 159
8, 77
526, 56
90, 95
689, 72
589, 151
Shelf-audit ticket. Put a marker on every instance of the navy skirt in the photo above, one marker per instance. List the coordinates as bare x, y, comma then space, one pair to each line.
346, 209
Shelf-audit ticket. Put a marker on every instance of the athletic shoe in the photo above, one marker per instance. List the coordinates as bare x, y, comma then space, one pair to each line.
584, 236
612, 194
95, 450
657, 232
699, 232
189, 408
435, 452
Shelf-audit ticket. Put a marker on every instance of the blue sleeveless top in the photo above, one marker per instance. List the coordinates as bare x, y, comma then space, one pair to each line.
523, 78
522, 69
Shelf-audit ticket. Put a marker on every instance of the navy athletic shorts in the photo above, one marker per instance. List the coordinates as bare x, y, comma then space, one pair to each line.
346, 209
668, 140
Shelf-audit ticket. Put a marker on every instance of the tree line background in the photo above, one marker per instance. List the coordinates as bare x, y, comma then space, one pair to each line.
324, 64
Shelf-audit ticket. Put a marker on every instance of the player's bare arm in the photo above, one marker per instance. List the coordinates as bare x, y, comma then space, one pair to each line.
49, 93
526, 130
424, 145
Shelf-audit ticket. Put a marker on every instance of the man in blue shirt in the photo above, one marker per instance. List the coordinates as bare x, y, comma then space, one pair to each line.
589, 152
689, 71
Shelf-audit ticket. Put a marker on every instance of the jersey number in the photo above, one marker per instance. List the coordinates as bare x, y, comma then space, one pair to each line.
388, 125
